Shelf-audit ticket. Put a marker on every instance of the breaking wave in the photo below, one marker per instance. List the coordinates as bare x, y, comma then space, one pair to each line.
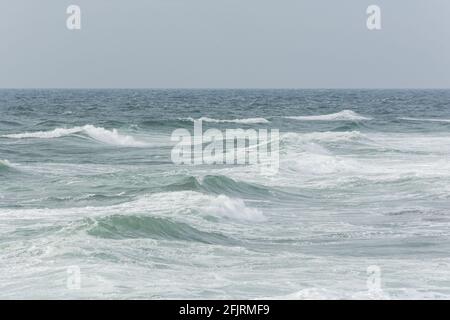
233, 208
5, 165
218, 206
345, 115
240, 121
103, 135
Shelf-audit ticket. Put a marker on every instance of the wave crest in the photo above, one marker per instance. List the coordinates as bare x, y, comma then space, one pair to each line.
240, 121
345, 115
233, 208
141, 227
103, 135
5, 165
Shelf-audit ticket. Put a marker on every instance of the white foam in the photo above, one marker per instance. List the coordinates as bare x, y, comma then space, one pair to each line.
173, 203
335, 294
327, 136
233, 208
221, 205
5, 163
345, 115
241, 121
59, 132
111, 137
408, 142
310, 294
427, 120
315, 160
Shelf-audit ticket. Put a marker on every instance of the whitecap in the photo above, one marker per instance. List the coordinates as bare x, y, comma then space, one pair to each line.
6, 164
240, 121
233, 208
56, 133
345, 115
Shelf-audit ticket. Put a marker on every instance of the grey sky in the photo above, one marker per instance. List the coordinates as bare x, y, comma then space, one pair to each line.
225, 43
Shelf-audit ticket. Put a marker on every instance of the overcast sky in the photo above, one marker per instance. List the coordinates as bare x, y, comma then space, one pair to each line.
225, 44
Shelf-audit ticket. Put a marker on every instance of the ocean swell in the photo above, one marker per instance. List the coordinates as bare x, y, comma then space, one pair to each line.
120, 227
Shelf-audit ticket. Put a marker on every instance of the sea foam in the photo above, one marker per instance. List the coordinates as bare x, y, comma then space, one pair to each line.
426, 119
327, 136
220, 206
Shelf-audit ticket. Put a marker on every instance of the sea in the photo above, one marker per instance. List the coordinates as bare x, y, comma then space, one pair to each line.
93, 207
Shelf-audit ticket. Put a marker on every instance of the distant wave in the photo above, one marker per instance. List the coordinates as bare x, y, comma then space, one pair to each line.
5, 165
345, 115
59, 132
241, 121
111, 137
420, 119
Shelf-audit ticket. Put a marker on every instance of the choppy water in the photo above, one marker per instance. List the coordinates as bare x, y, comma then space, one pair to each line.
87, 181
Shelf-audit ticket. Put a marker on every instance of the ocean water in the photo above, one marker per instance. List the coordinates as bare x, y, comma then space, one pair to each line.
88, 190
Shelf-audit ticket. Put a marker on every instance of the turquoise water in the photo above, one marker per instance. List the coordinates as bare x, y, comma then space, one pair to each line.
87, 181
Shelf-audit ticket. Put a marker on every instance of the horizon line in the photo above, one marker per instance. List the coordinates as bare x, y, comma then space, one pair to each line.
223, 88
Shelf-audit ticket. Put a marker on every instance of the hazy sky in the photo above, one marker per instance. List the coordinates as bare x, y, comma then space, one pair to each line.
225, 43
